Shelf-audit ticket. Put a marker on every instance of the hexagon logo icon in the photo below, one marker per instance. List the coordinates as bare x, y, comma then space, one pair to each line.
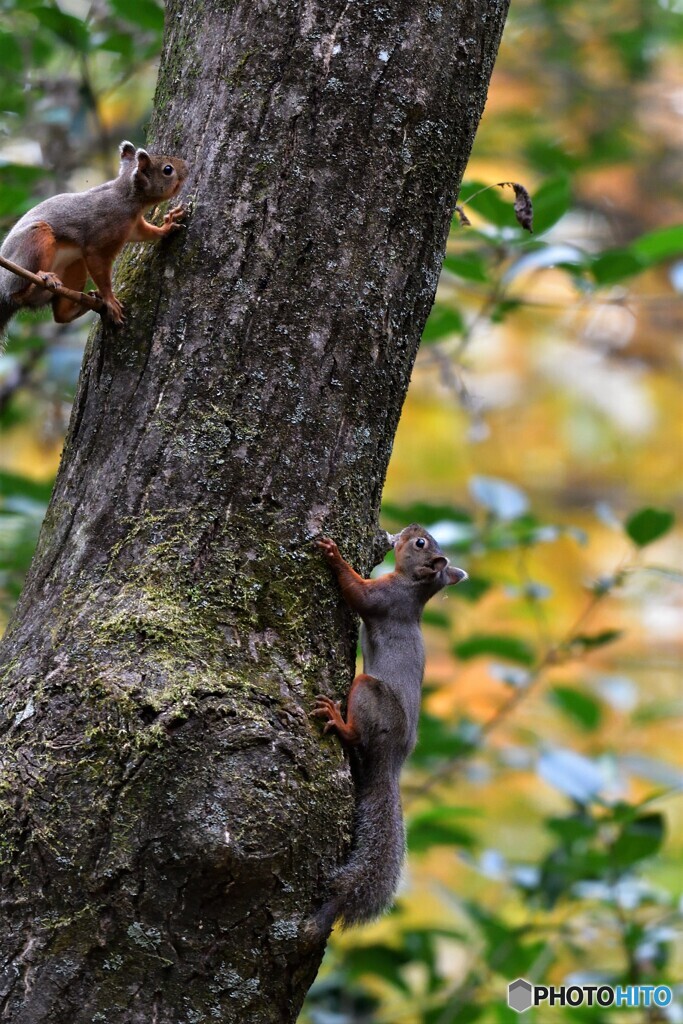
519, 995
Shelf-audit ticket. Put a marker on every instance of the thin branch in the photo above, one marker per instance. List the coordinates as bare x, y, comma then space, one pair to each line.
88, 301
452, 380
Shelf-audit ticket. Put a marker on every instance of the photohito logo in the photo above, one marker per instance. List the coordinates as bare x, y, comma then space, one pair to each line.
522, 995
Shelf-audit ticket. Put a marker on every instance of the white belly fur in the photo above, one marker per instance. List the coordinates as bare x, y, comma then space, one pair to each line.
64, 257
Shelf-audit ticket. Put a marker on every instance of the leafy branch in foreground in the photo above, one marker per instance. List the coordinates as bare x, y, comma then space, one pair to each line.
577, 887
509, 525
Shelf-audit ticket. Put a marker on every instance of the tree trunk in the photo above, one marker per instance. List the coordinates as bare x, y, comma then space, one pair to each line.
169, 813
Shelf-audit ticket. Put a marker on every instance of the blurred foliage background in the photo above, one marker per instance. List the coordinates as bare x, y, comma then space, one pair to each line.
541, 442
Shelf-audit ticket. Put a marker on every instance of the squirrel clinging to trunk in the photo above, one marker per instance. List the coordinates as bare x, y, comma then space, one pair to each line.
383, 707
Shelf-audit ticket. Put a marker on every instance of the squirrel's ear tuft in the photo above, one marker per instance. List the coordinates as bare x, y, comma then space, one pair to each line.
144, 159
141, 172
127, 155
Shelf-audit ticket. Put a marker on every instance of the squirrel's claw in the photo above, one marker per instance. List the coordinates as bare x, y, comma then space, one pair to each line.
114, 310
329, 709
328, 548
51, 280
172, 218
325, 707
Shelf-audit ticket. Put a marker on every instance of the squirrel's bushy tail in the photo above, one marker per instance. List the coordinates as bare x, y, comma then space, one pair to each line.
7, 311
364, 887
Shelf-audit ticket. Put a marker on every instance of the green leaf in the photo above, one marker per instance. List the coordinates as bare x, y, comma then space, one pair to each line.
649, 524
510, 647
615, 265
589, 641
506, 952
667, 243
66, 27
443, 1013
630, 45
118, 42
564, 867
659, 711
433, 617
11, 57
501, 310
42, 49
144, 13
438, 740
23, 343
378, 959
422, 512
546, 155
437, 827
640, 838
502, 1014
576, 828
14, 200
581, 707
12, 485
523, 531
442, 322
473, 588
20, 174
551, 202
470, 266
491, 204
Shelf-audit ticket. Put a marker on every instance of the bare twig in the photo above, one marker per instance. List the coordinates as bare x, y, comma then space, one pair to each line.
88, 301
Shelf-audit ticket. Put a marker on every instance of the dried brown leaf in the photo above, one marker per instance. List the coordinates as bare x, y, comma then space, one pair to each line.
524, 211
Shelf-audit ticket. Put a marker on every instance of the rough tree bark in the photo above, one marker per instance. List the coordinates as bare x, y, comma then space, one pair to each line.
168, 811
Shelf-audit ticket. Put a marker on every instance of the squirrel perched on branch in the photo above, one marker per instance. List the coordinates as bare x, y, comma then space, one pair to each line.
69, 237
383, 706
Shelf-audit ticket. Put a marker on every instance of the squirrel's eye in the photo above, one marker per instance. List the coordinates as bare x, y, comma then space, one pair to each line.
168, 170
420, 542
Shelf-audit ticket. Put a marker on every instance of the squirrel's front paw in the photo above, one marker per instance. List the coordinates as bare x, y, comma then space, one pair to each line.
330, 710
50, 280
173, 218
325, 707
328, 548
